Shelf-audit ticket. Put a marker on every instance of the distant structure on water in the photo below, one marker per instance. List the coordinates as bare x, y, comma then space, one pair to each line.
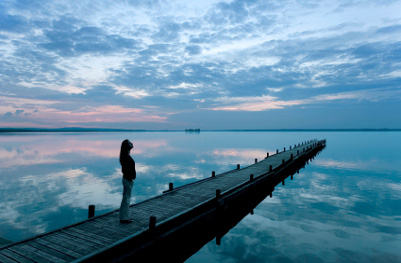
193, 130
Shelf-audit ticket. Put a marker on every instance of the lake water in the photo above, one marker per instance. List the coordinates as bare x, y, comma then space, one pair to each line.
343, 207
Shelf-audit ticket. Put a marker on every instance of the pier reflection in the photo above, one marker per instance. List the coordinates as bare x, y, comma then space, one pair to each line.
181, 245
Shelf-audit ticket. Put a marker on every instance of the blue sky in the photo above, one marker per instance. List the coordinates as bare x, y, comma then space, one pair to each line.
200, 64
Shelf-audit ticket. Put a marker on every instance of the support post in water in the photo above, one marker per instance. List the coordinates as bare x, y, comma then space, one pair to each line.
283, 183
91, 211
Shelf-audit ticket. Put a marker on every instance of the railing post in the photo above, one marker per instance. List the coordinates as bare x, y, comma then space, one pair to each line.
256, 160
267, 155
91, 211
170, 186
218, 193
213, 174
152, 223
238, 166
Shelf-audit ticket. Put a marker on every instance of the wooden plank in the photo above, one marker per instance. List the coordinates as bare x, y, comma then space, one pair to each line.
118, 230
85, 245
35, 254
15, 256
5, 259
102, 231
164, 207
62, 247
102, 241
50, 251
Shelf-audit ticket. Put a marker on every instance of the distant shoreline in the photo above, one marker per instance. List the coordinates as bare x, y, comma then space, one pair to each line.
77, 129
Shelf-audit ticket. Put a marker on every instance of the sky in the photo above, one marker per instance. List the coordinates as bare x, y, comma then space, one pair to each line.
288, 64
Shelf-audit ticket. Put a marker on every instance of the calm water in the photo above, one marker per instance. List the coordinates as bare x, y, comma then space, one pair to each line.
344, 207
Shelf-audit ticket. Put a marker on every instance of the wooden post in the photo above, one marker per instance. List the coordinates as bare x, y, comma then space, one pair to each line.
292, 177
238, 166
283, 183
256, 160
277, 151
152, 223
297, 152
284, 149
292, 156
170, 186
282, 161
271, 194
91, 211
290, 147
213, 174
218, 193
252, 212
267, 155
251, 177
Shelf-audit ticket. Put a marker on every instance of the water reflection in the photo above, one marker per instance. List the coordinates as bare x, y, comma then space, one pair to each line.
343, 208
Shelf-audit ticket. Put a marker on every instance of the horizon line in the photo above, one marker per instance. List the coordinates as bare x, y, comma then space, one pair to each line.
83, 129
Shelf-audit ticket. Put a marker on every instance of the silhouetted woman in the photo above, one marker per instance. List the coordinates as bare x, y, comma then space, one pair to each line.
129, 175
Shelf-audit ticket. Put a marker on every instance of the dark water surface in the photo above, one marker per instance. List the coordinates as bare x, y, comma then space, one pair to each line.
343, 207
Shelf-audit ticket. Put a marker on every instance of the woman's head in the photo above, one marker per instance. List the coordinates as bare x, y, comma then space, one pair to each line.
126, 146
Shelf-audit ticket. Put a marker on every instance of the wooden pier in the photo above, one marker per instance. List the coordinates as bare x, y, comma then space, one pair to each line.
163, 225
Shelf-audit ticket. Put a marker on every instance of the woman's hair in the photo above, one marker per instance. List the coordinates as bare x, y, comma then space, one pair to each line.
125, 147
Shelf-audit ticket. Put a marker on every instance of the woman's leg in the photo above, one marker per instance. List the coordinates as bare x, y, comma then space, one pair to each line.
124, 208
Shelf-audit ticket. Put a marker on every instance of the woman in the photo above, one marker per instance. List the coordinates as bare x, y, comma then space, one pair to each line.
129, 175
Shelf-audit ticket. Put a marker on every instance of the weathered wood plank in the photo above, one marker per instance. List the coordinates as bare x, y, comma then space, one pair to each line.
101, 240
35, 254
5, 259
116, 230
50, 251
101, 231
85, 246
61, 246
15, 256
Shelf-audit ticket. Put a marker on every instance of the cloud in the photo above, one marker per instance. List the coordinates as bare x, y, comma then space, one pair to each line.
267, 102
170, 55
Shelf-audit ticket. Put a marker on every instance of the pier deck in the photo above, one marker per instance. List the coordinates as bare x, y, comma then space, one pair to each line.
104, 238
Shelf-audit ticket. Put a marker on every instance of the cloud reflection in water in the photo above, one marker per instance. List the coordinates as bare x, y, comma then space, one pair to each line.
341, 208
